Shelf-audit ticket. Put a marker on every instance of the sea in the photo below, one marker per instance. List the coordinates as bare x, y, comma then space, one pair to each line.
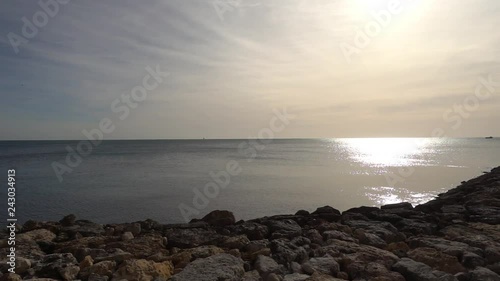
174, 181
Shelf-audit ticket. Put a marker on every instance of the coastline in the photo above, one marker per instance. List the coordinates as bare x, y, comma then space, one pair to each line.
453, 237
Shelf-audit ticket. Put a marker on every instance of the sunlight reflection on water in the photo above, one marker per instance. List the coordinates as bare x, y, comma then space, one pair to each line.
386, 152
380, 155
389, 195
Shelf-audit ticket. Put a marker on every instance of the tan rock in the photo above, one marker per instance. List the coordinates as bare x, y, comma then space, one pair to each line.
38, 235
143, 270
86, 262
103, 268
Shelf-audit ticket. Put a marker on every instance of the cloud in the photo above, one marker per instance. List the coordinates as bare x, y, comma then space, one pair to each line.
227, 75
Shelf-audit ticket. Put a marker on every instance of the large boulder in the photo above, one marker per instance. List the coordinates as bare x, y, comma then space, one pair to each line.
215, 268
219, 218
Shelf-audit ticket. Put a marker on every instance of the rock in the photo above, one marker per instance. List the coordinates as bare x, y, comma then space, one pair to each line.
22, 265
189, 238
417, 271
235, 253
437, 260
69, 272
253, 230
236, 242
400, 249
452, 248
386, 231
38, 235
371, 271
205, 251
326, 210
336, 234
94, 277
369, 239
296, 277
284, 228
134, 228
85, 228
327, 213
219, 218
103, 268
57, 266
471, 260
117, 255
302, 213
273, 277
322, 277
68, 220
140, 247
362, 210
325, 265
86, 262
355, 253
483, 274
127, 236
251, 276
214, 268
402, 205
266, 265
256, 245
494, 267
10, 277
285, 252
143, 270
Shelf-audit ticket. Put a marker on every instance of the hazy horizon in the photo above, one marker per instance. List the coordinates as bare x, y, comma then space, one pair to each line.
287, 138
230, 66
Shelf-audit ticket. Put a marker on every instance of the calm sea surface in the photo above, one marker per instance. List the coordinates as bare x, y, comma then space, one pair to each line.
123, 181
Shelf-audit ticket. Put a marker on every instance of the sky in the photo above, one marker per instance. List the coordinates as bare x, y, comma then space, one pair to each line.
233, 63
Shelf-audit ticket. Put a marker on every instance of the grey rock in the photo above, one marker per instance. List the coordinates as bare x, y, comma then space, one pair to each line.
483, 274
266, 265
417, 271
215, 268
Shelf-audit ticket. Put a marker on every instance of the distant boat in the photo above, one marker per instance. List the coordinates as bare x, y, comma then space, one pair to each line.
488, 138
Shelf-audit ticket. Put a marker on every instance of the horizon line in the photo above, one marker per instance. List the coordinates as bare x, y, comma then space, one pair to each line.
291, 138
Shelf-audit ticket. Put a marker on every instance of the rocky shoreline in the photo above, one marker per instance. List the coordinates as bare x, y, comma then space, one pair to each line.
454, 237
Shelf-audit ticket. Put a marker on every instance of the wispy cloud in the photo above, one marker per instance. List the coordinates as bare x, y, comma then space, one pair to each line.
226, 76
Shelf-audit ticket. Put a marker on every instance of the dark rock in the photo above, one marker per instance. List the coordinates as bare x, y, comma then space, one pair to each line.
302, 213
219, 218
483, 274
57, 266
285, 252
68, 220
326, 210
85, 228
284, 228
190, 238
402, 205
362, 210
417, 271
